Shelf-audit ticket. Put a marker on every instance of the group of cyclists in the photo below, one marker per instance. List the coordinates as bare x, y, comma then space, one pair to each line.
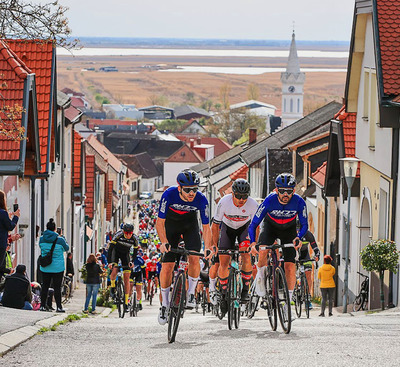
238, 222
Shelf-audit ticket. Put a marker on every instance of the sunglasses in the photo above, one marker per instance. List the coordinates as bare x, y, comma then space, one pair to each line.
283, 190
188, 189
241, 196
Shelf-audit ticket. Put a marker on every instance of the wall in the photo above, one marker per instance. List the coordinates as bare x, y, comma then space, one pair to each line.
171, 170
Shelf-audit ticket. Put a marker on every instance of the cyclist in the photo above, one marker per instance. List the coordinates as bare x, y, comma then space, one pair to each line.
278, 212
151, 270
177, 217
119, 250
231, 221
136, 276
304, 254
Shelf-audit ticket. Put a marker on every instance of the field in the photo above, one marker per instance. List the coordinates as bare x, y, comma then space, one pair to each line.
141, 86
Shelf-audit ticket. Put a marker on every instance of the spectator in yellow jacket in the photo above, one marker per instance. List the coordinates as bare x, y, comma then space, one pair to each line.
325, 274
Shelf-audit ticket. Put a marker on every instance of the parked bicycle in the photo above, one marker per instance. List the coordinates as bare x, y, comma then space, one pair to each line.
178, 298
301, 292
277, 294
361, 301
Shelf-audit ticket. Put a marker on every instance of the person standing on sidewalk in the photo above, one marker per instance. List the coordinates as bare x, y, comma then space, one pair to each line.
325, 274
92, 283
55, 271
6, 225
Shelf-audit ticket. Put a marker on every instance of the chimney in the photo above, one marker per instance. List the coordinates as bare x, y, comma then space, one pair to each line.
191, 143
252, 136
199, 140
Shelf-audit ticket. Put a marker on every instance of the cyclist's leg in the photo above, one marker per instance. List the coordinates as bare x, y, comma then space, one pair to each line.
114, 263
227, 237
213, 273
124, 257
246, 267
289, 255
139, 283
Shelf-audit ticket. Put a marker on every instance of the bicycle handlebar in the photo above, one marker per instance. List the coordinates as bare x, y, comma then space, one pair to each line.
274, 246
183, 251
232, 252
365, 276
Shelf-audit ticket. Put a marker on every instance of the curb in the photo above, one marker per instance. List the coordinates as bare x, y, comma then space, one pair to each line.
13, 339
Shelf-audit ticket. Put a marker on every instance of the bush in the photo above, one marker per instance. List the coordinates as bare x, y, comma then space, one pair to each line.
83, 272
103, 298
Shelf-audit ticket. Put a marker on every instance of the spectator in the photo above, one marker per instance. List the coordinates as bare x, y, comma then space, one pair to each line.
7, 268
70, 266
17, 290
55, 271
6, 225
325, 274
104, 257
92, 282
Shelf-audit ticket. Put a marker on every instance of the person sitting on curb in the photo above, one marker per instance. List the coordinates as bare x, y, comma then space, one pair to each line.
17, 290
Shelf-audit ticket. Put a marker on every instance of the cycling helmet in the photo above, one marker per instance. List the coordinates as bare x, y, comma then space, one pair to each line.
127, 227
241, 186
285, 180
188, 177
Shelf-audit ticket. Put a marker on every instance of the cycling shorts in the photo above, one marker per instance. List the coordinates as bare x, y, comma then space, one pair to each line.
204, 278
151, 274
137, 277
304, 255
228, 236
175, 230
119, 254
269, 233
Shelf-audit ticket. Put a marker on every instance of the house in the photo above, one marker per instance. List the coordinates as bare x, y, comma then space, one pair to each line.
123, 111
188, 112
193, 127
220, 146
157, 113
111, 124
256, 107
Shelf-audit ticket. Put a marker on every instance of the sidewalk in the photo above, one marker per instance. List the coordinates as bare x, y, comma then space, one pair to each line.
17, 326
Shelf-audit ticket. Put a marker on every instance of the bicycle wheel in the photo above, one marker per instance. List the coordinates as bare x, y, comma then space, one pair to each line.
358, 303
135, 304
238, 291
176, 306
204, 302
151, 294
231, 298
66, 291
297, 300
253, 302
270, 301
305, 295
120, 299
282, 300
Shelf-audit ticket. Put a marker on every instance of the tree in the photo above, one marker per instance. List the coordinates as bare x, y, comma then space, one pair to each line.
157, 100
206, 105
253, 92
26, 20
224, 92
189, 97
173, 126
380, 255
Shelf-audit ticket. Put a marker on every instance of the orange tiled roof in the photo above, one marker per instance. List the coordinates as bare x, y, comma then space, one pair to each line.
185, 154
319, 174
349, 130
240, 173
90, 176
109, 200
112, 160
13, 73
388, 16
77, 149
98, 122
38, 56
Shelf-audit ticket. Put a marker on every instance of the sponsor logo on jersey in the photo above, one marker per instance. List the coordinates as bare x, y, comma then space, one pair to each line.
206, 211
305, 212
163, 205
183, 207
283, 213
236, 218
260, 210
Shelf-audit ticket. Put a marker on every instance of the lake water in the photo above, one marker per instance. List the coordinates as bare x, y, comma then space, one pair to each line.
244, 70
197, 52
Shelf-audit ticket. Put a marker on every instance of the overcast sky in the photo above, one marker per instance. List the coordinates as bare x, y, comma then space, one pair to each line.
231, 19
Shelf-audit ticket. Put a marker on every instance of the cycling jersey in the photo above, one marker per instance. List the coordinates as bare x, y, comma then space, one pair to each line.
151, 266
308, 239
280, 216
123, 243
138, 264
233, 216
173, 207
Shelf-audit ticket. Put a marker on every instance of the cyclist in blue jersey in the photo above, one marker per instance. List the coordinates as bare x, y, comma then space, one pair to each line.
177, 218
137, 266
278, 212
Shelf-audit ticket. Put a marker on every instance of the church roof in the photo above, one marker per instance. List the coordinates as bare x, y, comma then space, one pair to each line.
293, 65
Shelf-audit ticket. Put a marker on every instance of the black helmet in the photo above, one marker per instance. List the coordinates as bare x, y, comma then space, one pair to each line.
285, 180
188, 177
241, 186
127, 227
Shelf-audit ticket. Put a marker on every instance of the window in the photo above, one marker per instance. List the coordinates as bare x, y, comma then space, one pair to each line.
298, 104
370, 108
291, 104
134, 186
284, 105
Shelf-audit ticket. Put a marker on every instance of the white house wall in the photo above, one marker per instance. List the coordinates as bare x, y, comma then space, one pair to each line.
171, 170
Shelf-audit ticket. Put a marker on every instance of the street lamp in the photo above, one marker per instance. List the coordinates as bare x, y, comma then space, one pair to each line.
350, 170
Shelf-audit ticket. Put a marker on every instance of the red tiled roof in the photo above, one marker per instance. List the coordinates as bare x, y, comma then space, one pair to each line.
109, 200
349, 130
388, 15
220, 146
38, 56
319, 174
240, 173
112, 160
13, 72
77, 102
185, 154
77, 149
71, 113
98, 122
90, 175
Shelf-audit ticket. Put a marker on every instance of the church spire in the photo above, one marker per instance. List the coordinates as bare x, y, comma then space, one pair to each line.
293, 65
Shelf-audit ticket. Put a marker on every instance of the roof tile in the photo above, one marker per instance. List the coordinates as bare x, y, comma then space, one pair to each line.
90, 176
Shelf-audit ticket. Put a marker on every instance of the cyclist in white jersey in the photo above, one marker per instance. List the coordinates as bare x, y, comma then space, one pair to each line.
232, 218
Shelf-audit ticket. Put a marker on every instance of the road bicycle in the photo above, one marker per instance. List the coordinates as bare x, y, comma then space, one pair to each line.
252, 305
301, 292
133, 303
235, 286
66, 289
178, 298
277, 294
361, 301
119, 297
151, 291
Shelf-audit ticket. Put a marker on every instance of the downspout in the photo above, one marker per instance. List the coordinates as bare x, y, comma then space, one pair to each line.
395, 170
42, 206
33, 227
326, 220
62, 168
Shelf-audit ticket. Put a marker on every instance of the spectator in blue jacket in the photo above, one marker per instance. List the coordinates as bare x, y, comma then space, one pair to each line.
55, 271
6, 225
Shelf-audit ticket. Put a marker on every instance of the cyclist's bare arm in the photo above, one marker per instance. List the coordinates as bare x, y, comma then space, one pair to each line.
207, 236
162, 234
215, 234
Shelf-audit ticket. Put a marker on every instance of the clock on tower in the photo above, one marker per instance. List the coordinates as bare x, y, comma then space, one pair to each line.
291, 89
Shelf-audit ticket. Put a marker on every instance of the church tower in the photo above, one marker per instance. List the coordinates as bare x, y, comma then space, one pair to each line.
292, 88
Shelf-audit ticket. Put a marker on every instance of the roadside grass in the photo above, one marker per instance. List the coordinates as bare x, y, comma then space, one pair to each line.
69, 318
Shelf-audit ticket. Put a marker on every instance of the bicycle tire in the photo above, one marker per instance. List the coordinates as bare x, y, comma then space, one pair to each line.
271, 305
66, 292
298, 302
231, 297
252, 305
176, 306
238, 291
120, 299
204, 302
135, 305
151, 294
358, 303
282, 300
306, 295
